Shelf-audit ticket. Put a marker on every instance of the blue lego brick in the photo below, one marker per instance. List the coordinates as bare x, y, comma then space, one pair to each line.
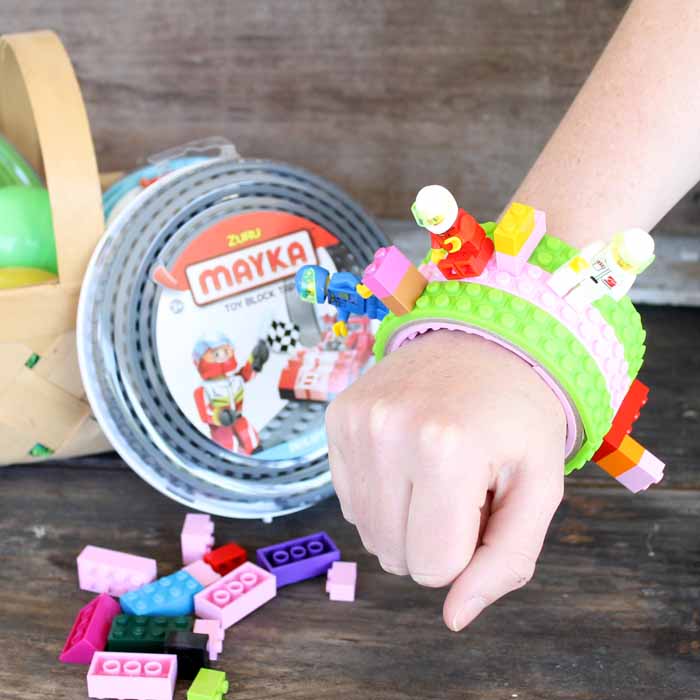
299, 559
170, 596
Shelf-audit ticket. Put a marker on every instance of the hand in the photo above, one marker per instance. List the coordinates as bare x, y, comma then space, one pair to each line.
437, 254
448, 456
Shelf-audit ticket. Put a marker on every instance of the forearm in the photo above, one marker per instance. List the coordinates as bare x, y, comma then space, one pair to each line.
629, 147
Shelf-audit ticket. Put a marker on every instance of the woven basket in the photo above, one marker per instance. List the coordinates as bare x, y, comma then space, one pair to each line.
43, 410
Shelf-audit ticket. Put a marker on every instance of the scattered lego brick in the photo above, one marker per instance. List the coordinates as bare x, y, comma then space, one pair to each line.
394, 280
341, 581
202, 572
191, 651
141, 633
170, 596
215, 632
208, 685
197, 537
236, 595
107, 571
115, 674
299, 559
89, 631
226, 558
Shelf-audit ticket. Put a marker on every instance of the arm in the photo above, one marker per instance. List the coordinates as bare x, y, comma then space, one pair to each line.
629, 147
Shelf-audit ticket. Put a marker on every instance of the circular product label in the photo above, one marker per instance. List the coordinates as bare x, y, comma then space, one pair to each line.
234, 347
204, 368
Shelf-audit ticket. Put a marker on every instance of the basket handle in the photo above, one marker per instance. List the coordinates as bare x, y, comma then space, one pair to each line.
43, 115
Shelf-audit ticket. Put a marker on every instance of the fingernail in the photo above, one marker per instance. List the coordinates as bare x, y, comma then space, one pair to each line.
469, 611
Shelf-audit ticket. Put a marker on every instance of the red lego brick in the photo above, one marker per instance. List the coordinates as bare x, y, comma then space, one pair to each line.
624, 419
456, 269
227, 558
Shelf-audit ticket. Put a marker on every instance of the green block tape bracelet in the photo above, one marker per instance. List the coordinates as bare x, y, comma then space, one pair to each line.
563, 311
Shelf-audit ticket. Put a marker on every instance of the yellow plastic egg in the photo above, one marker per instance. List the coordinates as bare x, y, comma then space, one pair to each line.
11, 277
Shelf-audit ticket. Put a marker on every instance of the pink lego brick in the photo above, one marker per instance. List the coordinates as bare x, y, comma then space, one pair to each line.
90, 630
649, 470
197, 537
214, 629
515, 263
117, 674
106, 571
431, 272
201, 571
384, 274
341, 580
236, 595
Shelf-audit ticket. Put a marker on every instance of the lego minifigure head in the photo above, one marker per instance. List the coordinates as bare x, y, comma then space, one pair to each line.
312, 283
435, 209
633, 249
214, 356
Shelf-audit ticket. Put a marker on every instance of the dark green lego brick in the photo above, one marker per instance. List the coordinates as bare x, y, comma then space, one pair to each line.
140, 633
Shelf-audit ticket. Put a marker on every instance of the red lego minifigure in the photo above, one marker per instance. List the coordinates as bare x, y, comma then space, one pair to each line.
459, 245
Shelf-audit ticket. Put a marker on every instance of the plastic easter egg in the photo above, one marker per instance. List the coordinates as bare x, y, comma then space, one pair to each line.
11, 277
26, 229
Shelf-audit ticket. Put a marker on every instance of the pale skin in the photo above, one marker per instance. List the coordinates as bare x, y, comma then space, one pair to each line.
448, 456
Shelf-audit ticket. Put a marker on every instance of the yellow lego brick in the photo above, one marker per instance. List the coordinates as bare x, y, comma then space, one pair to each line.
514, 228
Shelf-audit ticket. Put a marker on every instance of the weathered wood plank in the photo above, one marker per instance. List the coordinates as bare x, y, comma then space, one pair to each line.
612, 612
380, 97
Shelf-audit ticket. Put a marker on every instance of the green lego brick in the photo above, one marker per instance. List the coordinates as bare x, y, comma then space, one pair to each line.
32, 360
526, 326
208, 685
140, 633
40, 450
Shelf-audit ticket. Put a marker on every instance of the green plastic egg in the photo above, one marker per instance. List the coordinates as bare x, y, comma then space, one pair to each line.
26, 229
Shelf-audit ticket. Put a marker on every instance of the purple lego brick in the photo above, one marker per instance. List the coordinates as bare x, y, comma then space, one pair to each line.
299, 559
90, 630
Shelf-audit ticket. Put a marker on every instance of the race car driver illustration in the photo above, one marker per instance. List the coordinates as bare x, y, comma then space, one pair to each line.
220, 397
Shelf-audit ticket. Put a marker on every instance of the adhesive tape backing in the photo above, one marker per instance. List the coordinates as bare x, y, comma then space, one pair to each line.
160, 278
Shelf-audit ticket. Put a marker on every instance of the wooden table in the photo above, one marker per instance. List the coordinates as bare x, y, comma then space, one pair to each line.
613, 611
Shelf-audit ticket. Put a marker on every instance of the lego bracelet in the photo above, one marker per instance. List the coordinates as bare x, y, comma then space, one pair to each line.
563, 311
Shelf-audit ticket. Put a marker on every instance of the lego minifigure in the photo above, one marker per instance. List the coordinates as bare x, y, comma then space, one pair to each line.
220, 398
343, 290
601, 268
459, 245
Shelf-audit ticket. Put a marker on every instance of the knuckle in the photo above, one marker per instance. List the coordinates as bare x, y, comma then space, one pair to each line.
520, 568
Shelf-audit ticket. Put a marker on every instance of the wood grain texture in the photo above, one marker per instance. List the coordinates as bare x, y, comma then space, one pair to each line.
381, 97
612, 612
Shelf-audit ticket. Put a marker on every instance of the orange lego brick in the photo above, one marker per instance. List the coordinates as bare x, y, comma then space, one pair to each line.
626, 456
403, 298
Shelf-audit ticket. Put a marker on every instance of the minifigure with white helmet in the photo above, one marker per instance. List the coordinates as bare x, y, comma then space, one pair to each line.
459, 245
220, 397
601, 268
